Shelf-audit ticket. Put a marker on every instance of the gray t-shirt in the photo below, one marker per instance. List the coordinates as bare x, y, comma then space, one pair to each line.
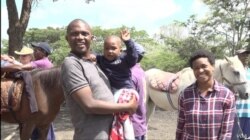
77, 73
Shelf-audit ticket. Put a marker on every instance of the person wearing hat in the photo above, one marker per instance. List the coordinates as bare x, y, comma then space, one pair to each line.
243, 105
139, 81
41, 52
25, 55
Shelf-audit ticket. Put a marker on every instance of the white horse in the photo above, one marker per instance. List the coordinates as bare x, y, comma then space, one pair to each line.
228, 71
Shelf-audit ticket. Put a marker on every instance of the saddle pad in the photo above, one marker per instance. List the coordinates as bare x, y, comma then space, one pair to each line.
16, 94
164, 81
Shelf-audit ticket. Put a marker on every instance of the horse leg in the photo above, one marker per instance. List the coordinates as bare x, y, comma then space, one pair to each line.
150, 109
43, 131
26, 131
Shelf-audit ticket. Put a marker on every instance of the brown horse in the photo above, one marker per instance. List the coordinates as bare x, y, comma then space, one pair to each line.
49, 96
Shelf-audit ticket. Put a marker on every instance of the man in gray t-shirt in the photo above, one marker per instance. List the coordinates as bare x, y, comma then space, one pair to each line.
86, 88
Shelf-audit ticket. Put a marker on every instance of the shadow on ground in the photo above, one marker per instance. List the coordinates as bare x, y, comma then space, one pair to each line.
162, 126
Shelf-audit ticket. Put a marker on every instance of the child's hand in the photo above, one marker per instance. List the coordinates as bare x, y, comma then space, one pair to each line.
125, 35
92, 58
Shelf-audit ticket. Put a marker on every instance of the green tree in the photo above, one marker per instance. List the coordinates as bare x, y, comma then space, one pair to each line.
4, 44
49, 35
163, 59
228, 21
175, 40
56, 38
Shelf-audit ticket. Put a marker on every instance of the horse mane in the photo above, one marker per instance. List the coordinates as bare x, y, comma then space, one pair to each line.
49, 78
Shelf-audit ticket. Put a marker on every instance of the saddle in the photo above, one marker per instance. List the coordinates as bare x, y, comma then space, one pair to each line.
27, 87
11, 92
164, 81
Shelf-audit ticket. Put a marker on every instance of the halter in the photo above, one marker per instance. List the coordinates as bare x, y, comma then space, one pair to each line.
231, 85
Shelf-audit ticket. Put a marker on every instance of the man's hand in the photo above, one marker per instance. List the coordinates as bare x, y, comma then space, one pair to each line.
133, 103
5, 57
125, 35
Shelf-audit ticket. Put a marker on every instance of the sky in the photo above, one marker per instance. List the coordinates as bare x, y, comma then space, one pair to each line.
148, 15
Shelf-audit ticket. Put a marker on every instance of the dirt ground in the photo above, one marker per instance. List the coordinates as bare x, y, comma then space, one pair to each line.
161, 126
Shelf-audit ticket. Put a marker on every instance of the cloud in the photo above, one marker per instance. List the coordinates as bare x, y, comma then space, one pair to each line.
199, 8
143, 14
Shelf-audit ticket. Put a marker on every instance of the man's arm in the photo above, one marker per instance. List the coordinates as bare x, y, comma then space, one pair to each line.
15, 68
90, 105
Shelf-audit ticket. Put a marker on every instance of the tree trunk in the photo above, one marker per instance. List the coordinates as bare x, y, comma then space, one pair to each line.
15, 40
17, 27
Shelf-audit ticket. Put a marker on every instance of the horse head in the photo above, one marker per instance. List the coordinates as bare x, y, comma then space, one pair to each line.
233, 75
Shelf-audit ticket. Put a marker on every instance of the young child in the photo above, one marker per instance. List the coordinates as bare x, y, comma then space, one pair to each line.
115, 64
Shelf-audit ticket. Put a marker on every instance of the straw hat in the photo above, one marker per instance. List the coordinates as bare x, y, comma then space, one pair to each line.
24, 51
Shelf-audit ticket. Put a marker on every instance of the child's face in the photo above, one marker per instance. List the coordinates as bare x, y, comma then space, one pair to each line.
112, 48
25, 59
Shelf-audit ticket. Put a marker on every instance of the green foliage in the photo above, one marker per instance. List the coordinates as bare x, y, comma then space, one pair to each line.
4, 46
55, 37
100, 34
229, 20
60, 51
4, 50
162, 59
49, 34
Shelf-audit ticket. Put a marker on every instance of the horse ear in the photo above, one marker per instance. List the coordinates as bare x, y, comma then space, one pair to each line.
228, 59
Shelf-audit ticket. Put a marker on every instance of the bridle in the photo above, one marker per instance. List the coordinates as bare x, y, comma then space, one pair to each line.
230, 85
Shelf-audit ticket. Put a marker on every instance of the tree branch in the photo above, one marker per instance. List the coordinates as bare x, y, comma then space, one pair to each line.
25, 14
